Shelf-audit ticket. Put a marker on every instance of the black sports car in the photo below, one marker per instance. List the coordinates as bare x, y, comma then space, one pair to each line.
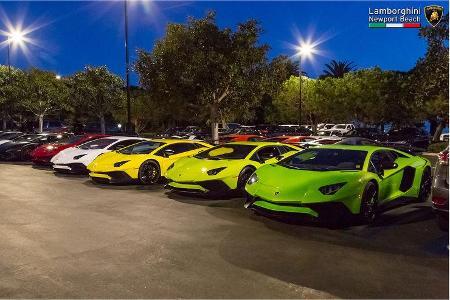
366, 132
21, 147
411, 139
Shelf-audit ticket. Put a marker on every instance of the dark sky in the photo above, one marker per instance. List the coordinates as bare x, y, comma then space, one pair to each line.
70, 35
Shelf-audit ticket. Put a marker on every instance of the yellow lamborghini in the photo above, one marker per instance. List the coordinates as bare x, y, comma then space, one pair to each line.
145, 161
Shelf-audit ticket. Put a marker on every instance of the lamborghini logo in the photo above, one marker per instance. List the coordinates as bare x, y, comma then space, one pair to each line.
433, 13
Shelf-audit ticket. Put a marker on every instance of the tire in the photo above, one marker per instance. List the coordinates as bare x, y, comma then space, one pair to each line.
368, 211
243, 177
425, 185
149, 172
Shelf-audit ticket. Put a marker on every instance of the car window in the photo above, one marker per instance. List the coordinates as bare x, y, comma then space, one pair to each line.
378, 158
97, 144
322, 159
177, 148
266, 153
123, 144
199, 145
141, 148
285, 149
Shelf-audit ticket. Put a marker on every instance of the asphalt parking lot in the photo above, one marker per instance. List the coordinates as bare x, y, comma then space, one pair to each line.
64, 237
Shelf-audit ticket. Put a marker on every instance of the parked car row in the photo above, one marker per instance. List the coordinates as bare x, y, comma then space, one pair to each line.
354, 179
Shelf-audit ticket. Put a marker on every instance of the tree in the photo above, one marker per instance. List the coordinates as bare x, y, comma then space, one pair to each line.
10, 92
100, 90
43, 94
337, 69
429, 78
213, 70
280, 69
144, 110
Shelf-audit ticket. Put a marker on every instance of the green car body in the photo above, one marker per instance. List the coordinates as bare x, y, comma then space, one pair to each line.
219, 170
297, 186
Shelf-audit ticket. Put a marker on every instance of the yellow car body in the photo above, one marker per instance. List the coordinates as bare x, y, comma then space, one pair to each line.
146, 161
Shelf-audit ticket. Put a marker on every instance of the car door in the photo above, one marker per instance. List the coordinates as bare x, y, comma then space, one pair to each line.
390, 179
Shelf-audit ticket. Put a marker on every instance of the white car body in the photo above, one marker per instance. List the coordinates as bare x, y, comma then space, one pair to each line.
76, 159
328, 133
322, 126
343, 128
444, 137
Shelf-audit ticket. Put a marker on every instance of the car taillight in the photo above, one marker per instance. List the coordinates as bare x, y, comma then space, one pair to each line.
439, 201
443, 157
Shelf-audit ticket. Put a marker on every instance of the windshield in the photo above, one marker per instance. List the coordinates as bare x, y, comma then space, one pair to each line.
230, 151
26, 138
97, 144
320, 159
141, 148
340, 126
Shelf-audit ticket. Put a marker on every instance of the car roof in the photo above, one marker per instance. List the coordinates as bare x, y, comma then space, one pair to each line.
173, 141
368, 148
257, 143
122, 138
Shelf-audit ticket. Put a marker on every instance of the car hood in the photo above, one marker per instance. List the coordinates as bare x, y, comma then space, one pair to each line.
195, 169
107, 160
278, 183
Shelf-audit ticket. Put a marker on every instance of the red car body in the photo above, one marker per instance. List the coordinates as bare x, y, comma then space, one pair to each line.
43, 154
240, 138
289, 139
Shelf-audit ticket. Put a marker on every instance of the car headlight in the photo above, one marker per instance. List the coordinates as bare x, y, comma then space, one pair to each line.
50, 147
215, 171
331, 189
253, 179
120, 163
79, 156
171, 166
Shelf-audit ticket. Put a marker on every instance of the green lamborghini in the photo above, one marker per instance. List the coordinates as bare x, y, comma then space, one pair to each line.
224, 168
335, 181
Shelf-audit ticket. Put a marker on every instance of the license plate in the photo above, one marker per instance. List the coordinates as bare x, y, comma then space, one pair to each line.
61, 167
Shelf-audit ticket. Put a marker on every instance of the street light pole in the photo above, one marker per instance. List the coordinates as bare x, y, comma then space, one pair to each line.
9, 60
300, 90
127, 69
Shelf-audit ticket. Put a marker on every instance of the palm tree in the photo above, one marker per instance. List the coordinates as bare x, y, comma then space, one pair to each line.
337, 69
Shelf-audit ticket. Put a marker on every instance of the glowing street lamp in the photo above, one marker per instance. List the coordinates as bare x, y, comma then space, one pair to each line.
16, 37
305, 49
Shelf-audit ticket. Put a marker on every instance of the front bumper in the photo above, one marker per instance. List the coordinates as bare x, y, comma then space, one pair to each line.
315, 210
117, 177
201, 187
72, 168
